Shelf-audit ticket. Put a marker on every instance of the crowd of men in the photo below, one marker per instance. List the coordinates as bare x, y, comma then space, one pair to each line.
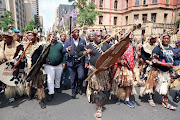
148, 63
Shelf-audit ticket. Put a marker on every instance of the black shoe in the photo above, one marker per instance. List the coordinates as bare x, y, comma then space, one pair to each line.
2, 90
50, 97
73, 95
80, 91
177, 97
66, 87
30, 97
42, 104
58, 90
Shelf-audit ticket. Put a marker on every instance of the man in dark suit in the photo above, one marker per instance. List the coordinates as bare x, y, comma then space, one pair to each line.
75, 66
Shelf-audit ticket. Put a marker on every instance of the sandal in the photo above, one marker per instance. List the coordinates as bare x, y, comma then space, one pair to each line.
11, 100
99, 114
168, 106
151, 103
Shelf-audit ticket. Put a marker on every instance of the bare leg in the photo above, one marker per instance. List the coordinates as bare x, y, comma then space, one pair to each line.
127, 90
151, 101
41, 95
127, 101
99, 107
166, 104
99, 112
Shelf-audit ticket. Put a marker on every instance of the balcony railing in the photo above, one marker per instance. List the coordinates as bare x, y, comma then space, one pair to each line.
164, 25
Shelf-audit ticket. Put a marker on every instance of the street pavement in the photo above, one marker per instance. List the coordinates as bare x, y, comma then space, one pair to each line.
64, 108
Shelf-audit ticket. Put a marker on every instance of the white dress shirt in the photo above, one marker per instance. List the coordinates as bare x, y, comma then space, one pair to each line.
76, 41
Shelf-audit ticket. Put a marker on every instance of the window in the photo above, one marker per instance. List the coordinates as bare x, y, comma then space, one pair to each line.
154, 1
136, 17
153, 17
115, 20
136, 2
143, 32
18, 22
144, 18
126, 20
93, 1
123, 31
126, 3
167, 1
115, 4
17, 16
165, 17
100, 3
145, 2
100, 19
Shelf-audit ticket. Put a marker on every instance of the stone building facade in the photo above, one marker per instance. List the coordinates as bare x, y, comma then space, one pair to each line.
17, 9
156, 15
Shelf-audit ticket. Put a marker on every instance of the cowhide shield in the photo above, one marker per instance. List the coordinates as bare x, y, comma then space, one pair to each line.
111, 56
6, 74
176, 81
36, 67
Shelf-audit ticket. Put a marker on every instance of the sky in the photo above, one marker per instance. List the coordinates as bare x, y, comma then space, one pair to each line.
47, 9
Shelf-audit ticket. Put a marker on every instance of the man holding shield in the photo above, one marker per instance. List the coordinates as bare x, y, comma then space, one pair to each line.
98, 83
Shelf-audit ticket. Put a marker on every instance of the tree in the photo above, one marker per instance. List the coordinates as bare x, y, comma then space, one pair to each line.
30, 27
7, 22
87, 13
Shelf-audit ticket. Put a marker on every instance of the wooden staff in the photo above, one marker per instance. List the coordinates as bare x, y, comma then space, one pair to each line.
70, 34
22, 55
101, 43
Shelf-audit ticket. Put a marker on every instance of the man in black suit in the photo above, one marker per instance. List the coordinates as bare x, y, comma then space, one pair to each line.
75, 66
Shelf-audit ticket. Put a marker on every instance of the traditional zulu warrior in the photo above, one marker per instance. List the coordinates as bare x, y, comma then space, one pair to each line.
90, 37
147, 48
98, 82
124, 77
9, 50
110, 42
32, 54
138, 61
146, 52
17, 37
159, 76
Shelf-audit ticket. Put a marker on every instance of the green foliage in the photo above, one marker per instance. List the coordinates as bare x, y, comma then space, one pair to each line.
31, 25
7, 22
87, 13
